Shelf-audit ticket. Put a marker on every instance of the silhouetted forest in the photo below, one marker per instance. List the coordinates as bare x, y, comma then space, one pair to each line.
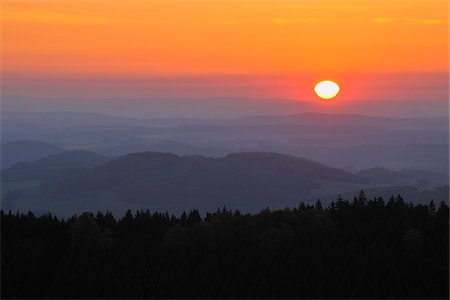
354, 249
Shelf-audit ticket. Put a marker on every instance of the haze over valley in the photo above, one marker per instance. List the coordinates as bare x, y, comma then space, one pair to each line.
57, 161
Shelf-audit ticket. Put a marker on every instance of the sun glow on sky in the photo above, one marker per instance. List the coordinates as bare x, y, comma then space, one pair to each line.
315, 38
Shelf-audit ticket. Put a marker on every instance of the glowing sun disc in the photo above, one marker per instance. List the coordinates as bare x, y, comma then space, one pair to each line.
327, 89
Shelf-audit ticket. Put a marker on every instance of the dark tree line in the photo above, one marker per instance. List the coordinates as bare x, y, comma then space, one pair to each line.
364, 248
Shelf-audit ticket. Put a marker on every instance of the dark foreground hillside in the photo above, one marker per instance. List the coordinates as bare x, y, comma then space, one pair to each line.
358, 249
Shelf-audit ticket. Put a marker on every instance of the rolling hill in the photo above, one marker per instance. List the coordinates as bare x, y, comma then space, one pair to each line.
77, 181
420, 178
172, 182
58, 166
25, 150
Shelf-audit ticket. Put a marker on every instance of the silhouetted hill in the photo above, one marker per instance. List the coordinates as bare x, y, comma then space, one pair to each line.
58, 166
168, 180
25, 150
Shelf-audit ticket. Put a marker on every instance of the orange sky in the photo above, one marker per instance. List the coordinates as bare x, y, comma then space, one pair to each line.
172, 37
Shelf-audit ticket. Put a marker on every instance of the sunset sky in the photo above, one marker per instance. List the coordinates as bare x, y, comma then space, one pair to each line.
272, 48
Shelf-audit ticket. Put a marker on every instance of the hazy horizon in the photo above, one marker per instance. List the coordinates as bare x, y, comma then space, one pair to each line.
222, 107
226, 96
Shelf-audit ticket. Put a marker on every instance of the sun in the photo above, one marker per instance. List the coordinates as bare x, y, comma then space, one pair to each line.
327, 89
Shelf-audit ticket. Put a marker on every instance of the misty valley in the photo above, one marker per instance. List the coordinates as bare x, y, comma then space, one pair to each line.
66, 163
307, 205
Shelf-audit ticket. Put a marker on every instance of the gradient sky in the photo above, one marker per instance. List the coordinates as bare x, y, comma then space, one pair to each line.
259, 49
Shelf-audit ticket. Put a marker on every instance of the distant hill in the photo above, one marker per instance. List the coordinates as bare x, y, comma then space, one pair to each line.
74, 157
349, 141
169, 146
77, 181
419, 178
167, 180
324, 119
25, 150
74, 119
58, 166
